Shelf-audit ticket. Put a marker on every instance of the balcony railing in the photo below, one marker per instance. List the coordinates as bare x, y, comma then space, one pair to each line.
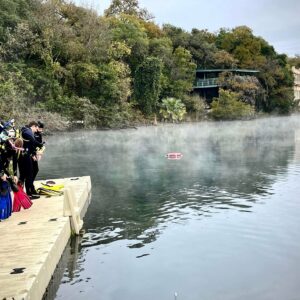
204, 83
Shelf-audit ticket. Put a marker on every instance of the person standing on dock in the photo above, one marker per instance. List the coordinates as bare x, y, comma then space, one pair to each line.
8, 168
39, 138
28, 156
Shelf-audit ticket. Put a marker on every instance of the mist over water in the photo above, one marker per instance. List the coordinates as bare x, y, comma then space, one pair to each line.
221, 223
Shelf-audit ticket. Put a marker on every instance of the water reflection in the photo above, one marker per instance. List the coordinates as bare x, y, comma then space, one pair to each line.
219, 171
67, 268
138, 193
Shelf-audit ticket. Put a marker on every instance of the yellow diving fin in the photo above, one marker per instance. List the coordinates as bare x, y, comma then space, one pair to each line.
56, 187
47, 192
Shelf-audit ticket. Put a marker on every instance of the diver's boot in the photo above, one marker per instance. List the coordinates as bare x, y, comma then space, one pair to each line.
34, 196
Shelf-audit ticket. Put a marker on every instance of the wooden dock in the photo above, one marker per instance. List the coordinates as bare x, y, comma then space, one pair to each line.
33, 240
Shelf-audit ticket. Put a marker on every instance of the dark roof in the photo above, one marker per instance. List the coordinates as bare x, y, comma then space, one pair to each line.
226, 70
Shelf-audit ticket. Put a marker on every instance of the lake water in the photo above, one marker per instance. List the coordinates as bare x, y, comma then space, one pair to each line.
221, 223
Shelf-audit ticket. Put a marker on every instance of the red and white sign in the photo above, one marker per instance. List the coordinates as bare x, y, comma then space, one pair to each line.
174, 155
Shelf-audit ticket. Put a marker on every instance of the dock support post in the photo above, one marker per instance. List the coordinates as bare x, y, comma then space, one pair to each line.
71, 210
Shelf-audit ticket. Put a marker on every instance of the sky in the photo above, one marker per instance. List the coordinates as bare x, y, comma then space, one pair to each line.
277, 21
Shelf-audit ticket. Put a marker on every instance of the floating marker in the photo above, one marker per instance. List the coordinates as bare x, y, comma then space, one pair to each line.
174, 155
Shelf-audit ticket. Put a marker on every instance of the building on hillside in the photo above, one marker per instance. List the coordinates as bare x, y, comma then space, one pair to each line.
296, 73
206, 83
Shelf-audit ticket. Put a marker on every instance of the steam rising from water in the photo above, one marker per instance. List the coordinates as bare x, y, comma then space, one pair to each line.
229, 170
226, 165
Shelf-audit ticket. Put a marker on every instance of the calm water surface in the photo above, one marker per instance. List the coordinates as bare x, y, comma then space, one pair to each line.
221, 223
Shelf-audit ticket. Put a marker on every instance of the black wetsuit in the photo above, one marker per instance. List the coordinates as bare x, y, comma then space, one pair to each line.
26, 162
35, 163
1, 164
7, 155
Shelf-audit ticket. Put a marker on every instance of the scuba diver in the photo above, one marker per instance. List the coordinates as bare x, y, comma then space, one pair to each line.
39, 151
27, 157
39, 132
5, 196
8, 167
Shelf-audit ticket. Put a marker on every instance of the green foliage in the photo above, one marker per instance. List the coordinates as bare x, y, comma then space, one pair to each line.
11, 13
254, 52
202, 47
178, 36
194, 103
18, 43
129, 7
243, 45
15, 88
114, 83
196, 107
248, 87
118, 50
179, 76
131, 30
60, 57
147, 85
223, 59
119, 116
229, 107
82, 77
172, 109
282, 102
102, 84
16, 100
68, 106
161, 48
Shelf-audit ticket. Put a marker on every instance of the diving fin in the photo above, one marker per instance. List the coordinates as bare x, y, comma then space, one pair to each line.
17, 203
5, 201
56, 187
47, 192
21, 199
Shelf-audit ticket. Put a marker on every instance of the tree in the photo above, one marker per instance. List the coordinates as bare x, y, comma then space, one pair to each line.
129, 7
254, 52
224, 60
163, 49
281, 101
248, 87
19, 43
131, 30
115, 83
243, 45
13, 12
85, 36
202, 47
172, 109
58, 56
147, 85
229, 107
179, 76
178, 36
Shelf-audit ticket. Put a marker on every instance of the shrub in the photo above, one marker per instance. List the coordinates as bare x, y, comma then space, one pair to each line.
282, 101
229, 107
121, 115
194, 103
172, 109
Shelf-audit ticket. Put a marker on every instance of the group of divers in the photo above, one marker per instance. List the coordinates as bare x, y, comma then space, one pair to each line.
20, 152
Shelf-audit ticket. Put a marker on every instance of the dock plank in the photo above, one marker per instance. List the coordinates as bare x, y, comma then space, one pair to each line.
34, 242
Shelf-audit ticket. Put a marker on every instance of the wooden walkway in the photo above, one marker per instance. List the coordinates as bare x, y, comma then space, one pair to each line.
33, 240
